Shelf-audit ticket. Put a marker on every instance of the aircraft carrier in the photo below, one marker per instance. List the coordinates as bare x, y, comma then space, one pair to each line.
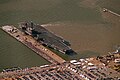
46, 37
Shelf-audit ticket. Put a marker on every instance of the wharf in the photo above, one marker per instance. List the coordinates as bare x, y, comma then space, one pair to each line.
82, 69
107, 10
33, 44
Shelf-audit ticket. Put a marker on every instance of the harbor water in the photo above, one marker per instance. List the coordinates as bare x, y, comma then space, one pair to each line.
78, 21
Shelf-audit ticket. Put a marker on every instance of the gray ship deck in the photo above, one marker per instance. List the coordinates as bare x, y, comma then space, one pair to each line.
46, 37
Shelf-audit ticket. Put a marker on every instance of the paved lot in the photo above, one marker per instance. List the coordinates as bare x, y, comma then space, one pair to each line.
83, 69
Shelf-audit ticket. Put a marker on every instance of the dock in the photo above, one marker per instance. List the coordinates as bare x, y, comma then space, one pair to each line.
31, 43
46, 37
82, 69
107, 10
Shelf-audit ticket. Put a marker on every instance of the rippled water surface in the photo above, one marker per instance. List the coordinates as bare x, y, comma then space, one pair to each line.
78, 21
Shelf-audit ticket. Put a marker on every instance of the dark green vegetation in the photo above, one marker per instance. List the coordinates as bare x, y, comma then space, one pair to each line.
79, 21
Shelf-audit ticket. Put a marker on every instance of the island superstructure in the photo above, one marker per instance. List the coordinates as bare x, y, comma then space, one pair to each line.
31, 43
46, 37
38, 39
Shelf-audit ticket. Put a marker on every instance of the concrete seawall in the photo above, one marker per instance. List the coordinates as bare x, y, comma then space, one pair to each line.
33, 44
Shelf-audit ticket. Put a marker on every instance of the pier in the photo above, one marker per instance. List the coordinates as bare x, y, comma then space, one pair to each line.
107, 10
33, 44
96, 68
82, 69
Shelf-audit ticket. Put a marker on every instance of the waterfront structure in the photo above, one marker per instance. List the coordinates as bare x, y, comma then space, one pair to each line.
82, 69
46, 37
34, 45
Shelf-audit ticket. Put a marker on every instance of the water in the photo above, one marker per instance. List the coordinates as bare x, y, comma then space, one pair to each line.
82, 24
14, 54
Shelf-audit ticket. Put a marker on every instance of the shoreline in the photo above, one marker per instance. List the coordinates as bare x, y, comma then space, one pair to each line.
34, 46
79, 69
